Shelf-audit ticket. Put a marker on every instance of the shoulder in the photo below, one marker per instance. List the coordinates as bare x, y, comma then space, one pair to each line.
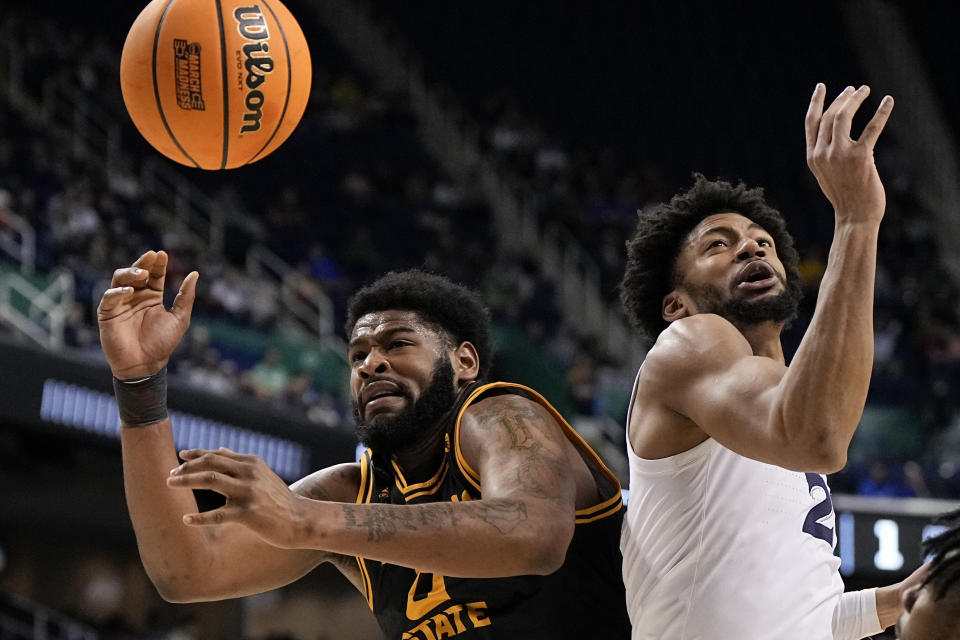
692, 344
506, 421
507, 406
339, 483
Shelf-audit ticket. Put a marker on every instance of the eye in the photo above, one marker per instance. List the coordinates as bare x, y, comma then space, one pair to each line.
717, 243
396, 344
763, 242
357, 356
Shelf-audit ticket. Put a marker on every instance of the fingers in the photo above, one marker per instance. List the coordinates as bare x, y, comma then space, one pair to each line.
183, 304
216, 516
192, 454
814, 113
129, 277
158, 271
844, 119
825, 131
200, 460
112, 298
211, 480
879, 120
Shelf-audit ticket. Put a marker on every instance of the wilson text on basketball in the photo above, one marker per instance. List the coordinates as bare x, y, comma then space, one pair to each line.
257, 62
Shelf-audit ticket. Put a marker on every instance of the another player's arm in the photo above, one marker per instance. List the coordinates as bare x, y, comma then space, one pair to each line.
187, 564
522, 525
137, 335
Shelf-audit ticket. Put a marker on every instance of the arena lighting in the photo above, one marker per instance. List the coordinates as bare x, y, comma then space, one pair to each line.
96, 412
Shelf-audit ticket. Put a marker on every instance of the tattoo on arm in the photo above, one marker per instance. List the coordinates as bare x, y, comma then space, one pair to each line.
539, 468
382, 522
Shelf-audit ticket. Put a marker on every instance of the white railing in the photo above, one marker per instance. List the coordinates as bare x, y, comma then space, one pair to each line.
303, 300
44, 318
18, 240
194, 211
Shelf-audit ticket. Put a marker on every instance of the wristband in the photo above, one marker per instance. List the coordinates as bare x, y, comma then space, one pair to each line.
143, 401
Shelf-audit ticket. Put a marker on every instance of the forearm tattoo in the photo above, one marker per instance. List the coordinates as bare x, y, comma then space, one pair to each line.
383, 522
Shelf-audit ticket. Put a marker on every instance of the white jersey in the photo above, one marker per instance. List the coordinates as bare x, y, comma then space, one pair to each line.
717, 546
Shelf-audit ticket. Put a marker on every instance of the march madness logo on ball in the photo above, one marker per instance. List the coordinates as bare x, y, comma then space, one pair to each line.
187, 57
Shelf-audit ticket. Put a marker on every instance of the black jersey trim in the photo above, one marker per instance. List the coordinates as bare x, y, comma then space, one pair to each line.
401, 481
428, 488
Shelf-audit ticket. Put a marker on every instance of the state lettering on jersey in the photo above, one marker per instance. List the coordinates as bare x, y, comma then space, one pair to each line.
451, 622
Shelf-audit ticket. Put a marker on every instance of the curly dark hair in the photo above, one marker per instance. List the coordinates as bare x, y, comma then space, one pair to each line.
944, 573
661, 230
454, 310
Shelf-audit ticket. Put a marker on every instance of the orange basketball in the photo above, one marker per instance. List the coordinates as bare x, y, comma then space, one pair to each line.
215, 84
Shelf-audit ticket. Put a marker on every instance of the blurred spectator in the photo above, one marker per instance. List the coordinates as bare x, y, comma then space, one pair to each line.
879, 482
268, 378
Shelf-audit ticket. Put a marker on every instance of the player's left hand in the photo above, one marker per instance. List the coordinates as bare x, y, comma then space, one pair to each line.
890, 599
257, 498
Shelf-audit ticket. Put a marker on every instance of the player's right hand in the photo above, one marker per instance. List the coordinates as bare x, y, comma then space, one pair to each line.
136, 332
845, 167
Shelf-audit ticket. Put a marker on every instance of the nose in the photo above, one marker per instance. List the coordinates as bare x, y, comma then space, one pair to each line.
749, 248
375, 362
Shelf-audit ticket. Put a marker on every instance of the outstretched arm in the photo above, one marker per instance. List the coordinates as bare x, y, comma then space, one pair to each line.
137, 335
522, 525
803, 417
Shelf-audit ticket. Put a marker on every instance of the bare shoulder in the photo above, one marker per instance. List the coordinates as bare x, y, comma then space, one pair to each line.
493, 411
506, 421
691, 352
690, 345
339, 483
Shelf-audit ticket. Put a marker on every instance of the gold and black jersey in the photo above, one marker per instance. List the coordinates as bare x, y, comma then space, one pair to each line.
583, 599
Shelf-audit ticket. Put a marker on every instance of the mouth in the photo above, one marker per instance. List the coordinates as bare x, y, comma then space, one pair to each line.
379, 394
757, 276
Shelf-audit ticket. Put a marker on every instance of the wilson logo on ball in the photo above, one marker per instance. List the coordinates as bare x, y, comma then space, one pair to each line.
257, 62
215, 84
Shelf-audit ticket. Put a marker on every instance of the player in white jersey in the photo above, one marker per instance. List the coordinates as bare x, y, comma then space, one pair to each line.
729, 531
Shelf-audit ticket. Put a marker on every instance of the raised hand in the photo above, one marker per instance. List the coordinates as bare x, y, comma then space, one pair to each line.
844, 167
137, 333
256, 496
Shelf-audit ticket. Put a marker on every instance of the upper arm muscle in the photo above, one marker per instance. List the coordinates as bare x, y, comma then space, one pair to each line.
704, 369
520, 452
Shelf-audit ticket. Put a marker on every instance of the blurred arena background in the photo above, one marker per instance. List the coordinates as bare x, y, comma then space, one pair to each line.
506, 144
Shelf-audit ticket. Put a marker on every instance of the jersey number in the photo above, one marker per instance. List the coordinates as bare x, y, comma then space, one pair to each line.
820, 511
417, 607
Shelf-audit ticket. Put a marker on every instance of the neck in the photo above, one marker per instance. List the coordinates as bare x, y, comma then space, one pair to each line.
764, 339
420, 460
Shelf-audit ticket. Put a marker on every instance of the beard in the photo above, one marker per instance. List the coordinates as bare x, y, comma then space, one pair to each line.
387, 434
779, 308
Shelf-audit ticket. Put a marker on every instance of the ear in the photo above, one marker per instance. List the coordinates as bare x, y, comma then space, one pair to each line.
674, 307
466, 363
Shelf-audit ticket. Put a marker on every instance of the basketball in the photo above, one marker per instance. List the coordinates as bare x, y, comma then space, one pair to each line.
215, 84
